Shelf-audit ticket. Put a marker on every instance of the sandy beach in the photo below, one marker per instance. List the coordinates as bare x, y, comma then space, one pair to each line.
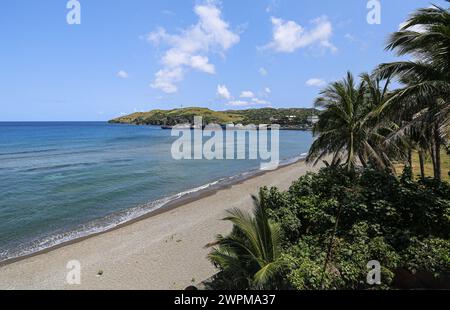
164, 251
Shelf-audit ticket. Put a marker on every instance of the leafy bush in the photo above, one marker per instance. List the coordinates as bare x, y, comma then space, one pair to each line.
431, 255
403, 224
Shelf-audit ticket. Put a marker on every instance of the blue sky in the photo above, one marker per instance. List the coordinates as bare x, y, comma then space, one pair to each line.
138, 55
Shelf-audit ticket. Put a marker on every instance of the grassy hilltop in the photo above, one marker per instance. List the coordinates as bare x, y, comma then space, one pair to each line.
284, 117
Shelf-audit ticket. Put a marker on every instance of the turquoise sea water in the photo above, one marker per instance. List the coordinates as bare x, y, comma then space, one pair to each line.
61, 181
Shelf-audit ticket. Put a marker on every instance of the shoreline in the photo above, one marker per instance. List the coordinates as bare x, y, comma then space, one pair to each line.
164, 249
166, 127
211, 188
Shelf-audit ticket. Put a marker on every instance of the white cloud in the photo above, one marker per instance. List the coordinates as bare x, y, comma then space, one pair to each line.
273, 6
351, 38
315, 82
354, 40
123, 74
247, 94
259, 101
223, 92
288, 36
202, 64
263, 71
250, 102
249, 98
189, 49
165, 79
238, 103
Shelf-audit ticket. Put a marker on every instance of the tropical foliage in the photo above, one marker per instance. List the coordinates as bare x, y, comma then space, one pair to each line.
284, 117
403, 224
359, 209
363, 121
251, 254
421, 104
349, 127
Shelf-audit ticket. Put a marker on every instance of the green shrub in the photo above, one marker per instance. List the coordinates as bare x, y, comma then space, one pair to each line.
402, 223
431, 255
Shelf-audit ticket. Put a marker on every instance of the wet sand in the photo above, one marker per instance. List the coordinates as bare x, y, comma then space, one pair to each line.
165, 250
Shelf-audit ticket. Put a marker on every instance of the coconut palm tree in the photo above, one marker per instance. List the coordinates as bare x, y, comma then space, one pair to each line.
416, 128
426, 37
348, 128
252, 251
383, 125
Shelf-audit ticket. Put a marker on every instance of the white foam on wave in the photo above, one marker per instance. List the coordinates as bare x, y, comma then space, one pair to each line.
99, 226
116, 219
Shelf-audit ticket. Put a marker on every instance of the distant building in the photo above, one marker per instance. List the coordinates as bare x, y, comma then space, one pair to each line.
313, 119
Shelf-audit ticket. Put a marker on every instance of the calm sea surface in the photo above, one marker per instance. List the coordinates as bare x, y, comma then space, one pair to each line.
60, 181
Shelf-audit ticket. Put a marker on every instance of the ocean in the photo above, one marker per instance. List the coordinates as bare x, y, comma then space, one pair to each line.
60, 181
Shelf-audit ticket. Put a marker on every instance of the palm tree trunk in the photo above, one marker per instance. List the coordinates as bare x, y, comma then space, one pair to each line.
410, 158
422, 164
350, 153
433, 157
438, 175
437, 153
330, 246
363, 160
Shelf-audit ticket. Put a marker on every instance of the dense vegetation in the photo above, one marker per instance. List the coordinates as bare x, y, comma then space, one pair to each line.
178, 116
428, 166
344, 220
365, 122
323, 231
283, 117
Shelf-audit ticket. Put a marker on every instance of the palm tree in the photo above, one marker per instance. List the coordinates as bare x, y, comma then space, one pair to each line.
426, 37
382, 126
252, 250
415, 128
348, 128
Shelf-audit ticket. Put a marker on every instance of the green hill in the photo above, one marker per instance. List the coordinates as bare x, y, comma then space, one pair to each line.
284, 117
